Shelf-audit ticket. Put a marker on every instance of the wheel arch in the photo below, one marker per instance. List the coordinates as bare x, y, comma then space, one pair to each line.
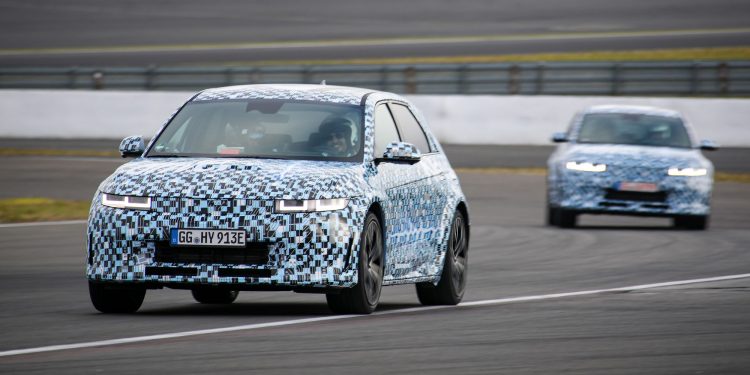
378, 211
461, 207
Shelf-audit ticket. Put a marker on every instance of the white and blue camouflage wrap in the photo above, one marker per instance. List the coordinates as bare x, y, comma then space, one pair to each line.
587, 192
416, 204
401, 150
132, 144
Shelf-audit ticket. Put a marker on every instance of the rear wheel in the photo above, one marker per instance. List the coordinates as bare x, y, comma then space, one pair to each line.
697, 222
450, 289
212, 295
566, 218
363, 297
116, 299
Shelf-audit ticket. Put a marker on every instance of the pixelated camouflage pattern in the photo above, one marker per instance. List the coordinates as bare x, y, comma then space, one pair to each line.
132, 144
585, 191
315, 249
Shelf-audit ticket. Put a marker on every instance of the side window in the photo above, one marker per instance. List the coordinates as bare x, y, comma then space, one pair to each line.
410, 129
385, 130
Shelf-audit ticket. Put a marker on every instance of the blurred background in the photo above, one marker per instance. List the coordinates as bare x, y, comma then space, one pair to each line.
572, 47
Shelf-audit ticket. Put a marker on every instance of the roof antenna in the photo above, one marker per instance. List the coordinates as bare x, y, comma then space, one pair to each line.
323, 82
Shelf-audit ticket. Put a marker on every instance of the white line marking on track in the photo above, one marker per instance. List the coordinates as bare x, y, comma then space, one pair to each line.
42, 223
249, 327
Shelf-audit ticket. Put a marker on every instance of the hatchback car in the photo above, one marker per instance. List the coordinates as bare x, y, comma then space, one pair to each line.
629, 160
308, 188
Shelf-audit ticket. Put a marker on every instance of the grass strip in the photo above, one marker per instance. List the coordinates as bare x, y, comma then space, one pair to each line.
531, 171
672, 54
8, 151
732, 177
20, 210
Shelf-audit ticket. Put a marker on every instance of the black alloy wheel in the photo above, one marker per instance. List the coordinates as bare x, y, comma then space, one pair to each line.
363, 298
450, 290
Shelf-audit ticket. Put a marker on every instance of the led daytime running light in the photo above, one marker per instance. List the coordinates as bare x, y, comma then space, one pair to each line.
586, 167
125, 201
687, 172
311, 205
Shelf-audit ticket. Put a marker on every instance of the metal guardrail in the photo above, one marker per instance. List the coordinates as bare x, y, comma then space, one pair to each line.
714, 78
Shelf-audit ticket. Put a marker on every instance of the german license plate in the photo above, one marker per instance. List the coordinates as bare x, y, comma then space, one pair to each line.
208, 237
646, 187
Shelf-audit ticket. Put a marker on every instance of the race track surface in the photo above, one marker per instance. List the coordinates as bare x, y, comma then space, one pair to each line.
108, 33
691, 328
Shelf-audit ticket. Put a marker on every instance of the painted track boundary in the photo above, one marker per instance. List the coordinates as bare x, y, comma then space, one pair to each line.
249, 327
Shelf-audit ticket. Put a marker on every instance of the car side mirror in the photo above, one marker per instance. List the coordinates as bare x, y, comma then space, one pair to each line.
132, 146
559, 137
708, 145
400, 152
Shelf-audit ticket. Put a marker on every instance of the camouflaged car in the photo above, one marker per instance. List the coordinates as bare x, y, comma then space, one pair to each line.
629, 160
308, 188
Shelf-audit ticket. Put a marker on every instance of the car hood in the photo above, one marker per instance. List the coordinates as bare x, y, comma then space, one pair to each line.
236, 178
633, 156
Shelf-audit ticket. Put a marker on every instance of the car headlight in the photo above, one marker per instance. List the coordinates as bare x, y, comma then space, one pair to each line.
687, 172
586, 166
126, 201
310, 205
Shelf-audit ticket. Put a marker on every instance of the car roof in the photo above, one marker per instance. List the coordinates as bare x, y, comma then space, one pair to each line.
320, 93
635, 109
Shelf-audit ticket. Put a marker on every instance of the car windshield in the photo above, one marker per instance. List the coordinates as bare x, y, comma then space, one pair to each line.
263, 128
633, 129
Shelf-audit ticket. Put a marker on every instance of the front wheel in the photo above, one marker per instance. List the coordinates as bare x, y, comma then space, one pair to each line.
450, 289
363, 298
116, 299
698, 222
566, 218
552, 215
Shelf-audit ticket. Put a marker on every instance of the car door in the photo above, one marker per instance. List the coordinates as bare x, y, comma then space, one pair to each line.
427, 198
431, 189
398, 182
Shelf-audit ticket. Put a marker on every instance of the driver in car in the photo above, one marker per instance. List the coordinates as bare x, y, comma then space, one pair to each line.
336, 135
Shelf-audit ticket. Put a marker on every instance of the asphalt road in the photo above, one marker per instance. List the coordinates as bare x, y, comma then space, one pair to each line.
180, 32
692, 328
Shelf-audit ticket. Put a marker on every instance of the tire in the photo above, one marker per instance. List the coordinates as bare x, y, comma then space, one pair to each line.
363, 298
214, 296
116, 299
566, 218
699, 222
552, 215
450, 289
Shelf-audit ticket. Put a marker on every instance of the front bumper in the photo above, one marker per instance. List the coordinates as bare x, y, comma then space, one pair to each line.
598, 193
285, 251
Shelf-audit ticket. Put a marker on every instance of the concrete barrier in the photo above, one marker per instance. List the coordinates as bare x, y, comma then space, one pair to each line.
85, 114
508, 120
531, 120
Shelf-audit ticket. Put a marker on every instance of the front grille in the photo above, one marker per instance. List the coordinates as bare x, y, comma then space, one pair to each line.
659, 196
244, 272
171, 271
254, 253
